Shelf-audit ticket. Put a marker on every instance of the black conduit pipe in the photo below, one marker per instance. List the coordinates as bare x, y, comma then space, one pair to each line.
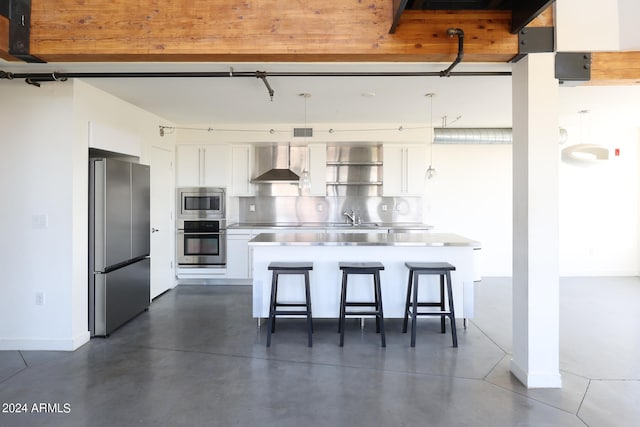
51, 77
455, 32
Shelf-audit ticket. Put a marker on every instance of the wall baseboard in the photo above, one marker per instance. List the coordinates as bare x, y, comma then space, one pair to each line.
30, 344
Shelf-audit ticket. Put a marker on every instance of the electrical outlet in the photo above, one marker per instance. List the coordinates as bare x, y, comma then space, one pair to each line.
40, 298
252, 208
385, 207
319, 207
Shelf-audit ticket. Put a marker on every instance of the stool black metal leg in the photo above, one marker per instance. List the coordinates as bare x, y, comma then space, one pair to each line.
308, 296
376, 301
414, 313
275, 300
454, 333
443, 328
308, 290
407, 303
272, 308
343, 298
380, 315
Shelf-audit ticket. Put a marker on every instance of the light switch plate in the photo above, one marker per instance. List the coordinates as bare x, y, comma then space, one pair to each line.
39, 221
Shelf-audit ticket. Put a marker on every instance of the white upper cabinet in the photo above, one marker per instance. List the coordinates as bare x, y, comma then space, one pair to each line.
206, 166
317, 169
188, 166
217, 161
241, 170
404, 169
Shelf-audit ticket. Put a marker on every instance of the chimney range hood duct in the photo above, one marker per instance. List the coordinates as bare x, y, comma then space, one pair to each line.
277, 160
480, 136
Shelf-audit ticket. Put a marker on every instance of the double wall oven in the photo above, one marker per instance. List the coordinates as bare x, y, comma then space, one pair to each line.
201, 228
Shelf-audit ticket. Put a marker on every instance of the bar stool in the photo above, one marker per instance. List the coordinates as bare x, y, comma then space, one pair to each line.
442, 269
279, 268
372, 268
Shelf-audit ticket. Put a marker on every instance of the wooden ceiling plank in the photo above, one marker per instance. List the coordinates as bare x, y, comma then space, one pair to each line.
622, 68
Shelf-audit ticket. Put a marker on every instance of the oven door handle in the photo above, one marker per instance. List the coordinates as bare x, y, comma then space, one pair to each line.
201, 233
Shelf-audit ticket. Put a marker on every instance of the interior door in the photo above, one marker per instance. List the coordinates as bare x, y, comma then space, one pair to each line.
162, 223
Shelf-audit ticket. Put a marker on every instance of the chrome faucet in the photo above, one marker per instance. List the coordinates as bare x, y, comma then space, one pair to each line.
351, 216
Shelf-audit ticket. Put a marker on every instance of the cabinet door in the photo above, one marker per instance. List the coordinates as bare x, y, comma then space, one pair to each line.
241, 170
188, 165
318, 169
393, 170
416, 166
238, 255
404, 169
216, 165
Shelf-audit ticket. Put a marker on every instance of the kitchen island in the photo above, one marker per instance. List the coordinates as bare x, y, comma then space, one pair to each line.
326, 250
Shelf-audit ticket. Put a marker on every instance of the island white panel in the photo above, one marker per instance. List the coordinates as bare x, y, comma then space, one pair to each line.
326, 276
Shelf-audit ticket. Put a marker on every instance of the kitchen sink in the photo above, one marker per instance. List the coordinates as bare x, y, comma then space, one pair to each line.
347, 225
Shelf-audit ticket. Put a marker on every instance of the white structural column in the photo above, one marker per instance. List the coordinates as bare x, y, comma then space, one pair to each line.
535, 360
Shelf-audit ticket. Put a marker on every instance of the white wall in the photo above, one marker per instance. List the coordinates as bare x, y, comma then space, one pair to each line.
43, 175
587, 25
629, 11
36, 178
599, 205
593, 25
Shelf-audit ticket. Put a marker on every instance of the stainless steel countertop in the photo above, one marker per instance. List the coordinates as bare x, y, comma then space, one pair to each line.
362, 239
331, 225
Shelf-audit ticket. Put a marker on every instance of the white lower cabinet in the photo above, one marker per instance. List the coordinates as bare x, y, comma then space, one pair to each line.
238, 254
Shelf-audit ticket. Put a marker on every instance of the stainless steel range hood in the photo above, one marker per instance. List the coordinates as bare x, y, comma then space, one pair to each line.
277, 162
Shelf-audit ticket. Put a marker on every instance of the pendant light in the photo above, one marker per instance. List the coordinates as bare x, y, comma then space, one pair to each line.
305, 178
584, 154
431, 171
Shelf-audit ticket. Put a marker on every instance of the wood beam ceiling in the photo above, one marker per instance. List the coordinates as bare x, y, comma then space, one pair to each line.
273, 31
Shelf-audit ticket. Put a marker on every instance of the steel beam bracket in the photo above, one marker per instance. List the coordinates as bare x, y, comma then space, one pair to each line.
20, 30
573, 68
534, 40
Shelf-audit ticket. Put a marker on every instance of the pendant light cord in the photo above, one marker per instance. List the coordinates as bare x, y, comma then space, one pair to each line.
432, 129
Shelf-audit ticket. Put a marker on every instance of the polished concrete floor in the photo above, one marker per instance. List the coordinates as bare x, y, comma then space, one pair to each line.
196, 358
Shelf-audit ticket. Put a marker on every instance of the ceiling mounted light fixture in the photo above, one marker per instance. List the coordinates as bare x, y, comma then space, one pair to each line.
582, 154
431, 171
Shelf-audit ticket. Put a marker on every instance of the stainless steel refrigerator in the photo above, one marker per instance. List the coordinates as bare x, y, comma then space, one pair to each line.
119, 242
